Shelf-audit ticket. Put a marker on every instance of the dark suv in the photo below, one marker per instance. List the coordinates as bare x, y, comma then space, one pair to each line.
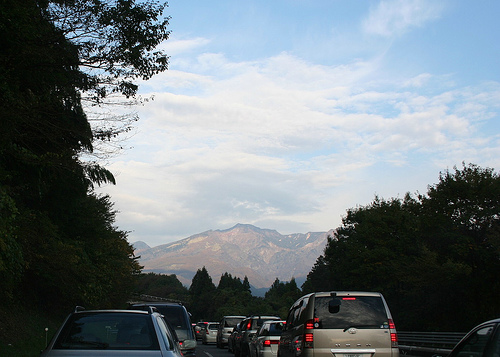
249, 327
178, 317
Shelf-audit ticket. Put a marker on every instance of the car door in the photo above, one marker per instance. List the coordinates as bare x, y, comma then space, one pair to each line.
483, 341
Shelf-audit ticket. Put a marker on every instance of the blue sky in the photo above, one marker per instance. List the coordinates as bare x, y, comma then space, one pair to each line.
284, 114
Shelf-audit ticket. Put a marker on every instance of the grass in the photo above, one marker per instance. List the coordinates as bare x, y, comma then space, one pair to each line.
22, 330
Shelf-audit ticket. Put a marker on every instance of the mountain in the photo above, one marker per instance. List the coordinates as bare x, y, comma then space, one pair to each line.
243, 250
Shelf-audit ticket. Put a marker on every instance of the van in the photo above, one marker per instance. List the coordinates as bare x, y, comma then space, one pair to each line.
339, 324
178, 318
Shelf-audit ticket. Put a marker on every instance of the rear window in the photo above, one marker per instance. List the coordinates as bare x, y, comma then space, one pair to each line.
177, 318
276, 329
256, 323
359, 312
110, 331
232, 321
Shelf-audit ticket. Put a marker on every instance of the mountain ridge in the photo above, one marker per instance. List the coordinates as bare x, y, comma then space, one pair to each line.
242, 250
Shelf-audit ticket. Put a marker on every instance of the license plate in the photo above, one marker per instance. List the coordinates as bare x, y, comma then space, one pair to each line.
352, 355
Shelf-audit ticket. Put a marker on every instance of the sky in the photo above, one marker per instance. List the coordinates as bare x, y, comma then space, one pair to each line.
284, 114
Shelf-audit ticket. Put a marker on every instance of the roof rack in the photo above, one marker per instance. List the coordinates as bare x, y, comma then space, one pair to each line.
145, 307
79, 308
143, 298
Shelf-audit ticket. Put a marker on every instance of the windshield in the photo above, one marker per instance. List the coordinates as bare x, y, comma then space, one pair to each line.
359, 312
110, 331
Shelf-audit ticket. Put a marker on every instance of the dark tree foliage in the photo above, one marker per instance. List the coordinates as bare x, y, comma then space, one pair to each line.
161, 285
233, 297
282, 295
116, 41
461, 219
58, 243
436, 258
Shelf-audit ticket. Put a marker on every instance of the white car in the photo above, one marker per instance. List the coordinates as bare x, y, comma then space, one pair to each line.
114, 333
209, 333
265, 342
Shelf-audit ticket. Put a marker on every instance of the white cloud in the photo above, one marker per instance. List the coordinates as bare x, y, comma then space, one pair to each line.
281, 147
394, 17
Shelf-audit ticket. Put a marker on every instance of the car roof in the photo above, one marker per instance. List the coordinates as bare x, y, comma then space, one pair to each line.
346, 293
143, 312
233, 316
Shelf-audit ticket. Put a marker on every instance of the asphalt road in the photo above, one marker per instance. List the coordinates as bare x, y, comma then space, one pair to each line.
211, 350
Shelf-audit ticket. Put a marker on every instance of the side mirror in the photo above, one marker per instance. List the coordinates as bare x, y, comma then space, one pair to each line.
334, 306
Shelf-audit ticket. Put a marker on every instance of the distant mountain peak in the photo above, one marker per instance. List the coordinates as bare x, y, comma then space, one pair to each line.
139, 245
242, 250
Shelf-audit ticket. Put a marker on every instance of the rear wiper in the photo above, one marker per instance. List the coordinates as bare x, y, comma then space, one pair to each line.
361, 326
98, 345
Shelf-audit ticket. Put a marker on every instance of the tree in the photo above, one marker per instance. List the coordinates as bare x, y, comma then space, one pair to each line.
57, 235
431, 256
161, 285
282, 295
461, 219
201, 293
116, 43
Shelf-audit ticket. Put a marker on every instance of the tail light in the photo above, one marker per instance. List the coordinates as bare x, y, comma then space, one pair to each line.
308, 338
394, 334
249, 324
268, 343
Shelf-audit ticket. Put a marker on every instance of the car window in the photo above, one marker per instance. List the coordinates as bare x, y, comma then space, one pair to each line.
165, 333
475, 344
112, 331
359, 312
276, 329
494, 350
232, 321
176, 317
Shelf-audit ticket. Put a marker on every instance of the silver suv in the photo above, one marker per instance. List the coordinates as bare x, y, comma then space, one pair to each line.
339, 324
114, 333
226, 327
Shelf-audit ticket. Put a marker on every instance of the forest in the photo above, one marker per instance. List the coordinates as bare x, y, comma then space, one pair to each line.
435, 255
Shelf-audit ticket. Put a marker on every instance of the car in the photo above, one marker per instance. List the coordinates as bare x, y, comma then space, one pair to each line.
209, 334
265, 342
197, 329
113, 333
232, 337
226, 326
482, 341
339, 324
249, 327
177, 316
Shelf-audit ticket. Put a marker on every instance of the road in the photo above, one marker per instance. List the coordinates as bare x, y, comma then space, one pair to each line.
211, 351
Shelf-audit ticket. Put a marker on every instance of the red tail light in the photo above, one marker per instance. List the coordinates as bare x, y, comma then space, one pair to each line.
394, 335
249, 324
268, 343
310, 324
308, 338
